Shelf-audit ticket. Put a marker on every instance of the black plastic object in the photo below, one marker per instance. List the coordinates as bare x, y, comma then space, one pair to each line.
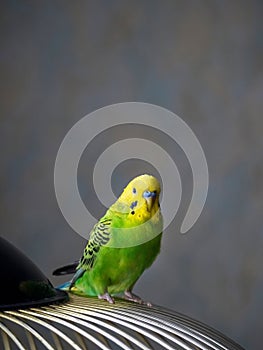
23, 285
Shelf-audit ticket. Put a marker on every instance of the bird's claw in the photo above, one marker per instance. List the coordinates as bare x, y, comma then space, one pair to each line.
127, 295
107, 297
134, 298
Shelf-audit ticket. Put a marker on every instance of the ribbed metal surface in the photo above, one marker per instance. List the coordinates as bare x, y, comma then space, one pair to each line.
88, 323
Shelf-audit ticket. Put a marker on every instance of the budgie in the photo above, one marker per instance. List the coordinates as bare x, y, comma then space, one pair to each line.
124, 242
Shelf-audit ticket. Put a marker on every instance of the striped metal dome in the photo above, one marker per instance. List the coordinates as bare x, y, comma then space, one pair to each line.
35, 316
88, 323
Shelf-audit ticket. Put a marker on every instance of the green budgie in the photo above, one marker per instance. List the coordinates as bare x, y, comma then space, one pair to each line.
124, 242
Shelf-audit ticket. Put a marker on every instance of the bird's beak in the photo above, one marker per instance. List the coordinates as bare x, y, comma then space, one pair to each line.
150, 198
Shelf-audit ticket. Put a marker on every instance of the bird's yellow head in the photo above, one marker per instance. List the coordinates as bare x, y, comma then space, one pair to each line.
140, 198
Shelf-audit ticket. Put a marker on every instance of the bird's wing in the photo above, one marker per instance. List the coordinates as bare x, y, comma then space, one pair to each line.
99, 236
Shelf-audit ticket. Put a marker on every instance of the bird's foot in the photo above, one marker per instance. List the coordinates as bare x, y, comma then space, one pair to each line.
128, 295
106, 296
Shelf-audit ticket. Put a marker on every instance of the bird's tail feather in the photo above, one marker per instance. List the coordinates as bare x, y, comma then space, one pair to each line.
64, 286
67, 269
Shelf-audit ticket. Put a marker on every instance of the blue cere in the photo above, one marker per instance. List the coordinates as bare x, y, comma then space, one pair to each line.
149, 194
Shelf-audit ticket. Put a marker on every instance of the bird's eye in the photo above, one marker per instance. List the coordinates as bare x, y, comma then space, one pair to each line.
134, 190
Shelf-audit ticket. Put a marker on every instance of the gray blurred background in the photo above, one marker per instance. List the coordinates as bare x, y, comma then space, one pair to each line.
202, 60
